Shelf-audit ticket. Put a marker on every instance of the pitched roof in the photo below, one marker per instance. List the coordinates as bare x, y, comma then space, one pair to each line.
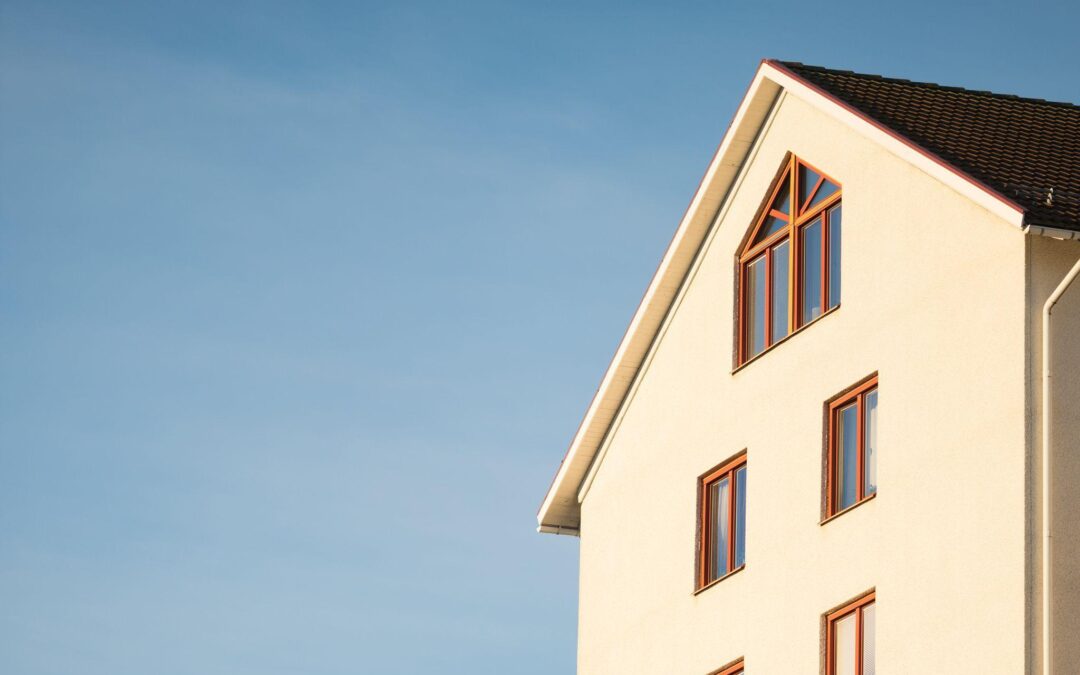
1020, 148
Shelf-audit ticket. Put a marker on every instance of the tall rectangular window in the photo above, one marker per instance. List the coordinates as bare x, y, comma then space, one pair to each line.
849, 638
852, 447
847, 450
755, 306
722, 502
810, 283
835, 226
779, 262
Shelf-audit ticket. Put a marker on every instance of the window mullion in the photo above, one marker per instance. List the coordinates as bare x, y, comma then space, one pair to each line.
793, 256
793, 172
824, 263
796, 274
793, 167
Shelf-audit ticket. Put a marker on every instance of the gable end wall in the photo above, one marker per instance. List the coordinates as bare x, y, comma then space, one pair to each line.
933, 300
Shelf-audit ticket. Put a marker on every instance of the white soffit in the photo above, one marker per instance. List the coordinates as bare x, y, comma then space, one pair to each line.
560, 511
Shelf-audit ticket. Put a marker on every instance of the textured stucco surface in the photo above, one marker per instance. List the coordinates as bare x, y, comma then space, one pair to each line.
1050, 262
934, 300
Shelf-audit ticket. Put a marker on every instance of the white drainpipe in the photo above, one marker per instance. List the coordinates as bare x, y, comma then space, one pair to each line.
1047, 425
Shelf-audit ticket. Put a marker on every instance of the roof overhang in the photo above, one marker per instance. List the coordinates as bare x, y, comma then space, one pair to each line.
560, 511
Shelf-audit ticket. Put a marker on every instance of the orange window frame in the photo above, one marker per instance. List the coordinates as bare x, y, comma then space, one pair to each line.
856, 396
705, 510
854, 607
796, 222
736, 668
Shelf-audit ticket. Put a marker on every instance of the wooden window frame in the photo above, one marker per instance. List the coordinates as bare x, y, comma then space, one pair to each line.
855, 606
750, 252
722, 470
737, 667
854, 395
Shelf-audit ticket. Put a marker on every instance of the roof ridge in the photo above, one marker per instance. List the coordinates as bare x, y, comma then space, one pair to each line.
935, 85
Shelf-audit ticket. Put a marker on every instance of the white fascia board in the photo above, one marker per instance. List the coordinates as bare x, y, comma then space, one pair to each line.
560, 508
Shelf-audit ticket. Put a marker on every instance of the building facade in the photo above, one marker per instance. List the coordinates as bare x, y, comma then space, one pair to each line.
820, 447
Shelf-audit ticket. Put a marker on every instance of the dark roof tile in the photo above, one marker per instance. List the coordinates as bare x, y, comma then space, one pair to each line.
1024, 149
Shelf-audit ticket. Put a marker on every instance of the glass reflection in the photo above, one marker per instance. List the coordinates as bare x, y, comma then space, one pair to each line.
781, 255
772, 226
755, 307
808, 178
870, 444
811, 271
782, 203
740, 518
720, 508
827, 189
844, 651
834, 256
847, 447
869, 643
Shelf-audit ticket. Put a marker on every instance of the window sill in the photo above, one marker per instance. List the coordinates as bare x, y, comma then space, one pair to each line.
717, 581
784, 339
849, 509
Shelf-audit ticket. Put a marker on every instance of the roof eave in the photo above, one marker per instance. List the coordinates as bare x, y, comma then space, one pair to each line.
1052, 232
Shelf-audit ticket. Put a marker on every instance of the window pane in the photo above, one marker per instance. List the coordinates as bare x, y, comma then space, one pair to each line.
869, 644
827, 189
755, 307
808, 178
834, 257
844, 645
780, 260
772, 226
782, 203
811, 271
870, 444
847, 446
740, 517
718, 528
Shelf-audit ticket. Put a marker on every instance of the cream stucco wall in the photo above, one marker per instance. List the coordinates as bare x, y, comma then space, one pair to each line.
933, 299
1050, 260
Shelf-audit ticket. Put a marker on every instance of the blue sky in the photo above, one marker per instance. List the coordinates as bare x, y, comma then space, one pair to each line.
302, 302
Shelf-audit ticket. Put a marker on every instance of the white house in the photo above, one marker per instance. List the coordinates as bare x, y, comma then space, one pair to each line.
843, 428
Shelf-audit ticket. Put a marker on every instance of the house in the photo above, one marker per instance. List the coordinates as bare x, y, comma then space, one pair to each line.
852, 388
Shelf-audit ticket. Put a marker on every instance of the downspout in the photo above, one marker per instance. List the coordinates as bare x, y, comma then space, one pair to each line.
1047, 425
